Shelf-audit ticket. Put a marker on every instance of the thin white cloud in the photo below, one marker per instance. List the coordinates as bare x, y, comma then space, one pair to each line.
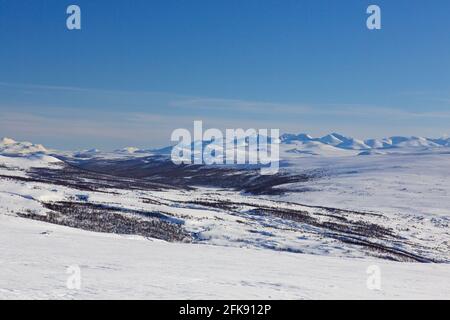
153, 125
237, 106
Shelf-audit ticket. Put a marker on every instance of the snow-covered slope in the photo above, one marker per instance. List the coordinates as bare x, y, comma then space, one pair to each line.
37, 258
378, 144
10, 147
332, 140
416, 142
353, 144
301, 137
444, 141
129, 150
398, 183
328, 216
313, 148
31, 161
220, 214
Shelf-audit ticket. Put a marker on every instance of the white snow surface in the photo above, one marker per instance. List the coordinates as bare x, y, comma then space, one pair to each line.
237, 256
35, 259
9, 146
407, 183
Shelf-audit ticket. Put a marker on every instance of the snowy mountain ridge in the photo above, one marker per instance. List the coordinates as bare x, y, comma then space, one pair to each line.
302, 143
344, 142
11, 147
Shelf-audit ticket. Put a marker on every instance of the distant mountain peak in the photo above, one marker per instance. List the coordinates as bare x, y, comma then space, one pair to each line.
340, 136
9, 146
289, 137
129, 150
7, 141
331, 139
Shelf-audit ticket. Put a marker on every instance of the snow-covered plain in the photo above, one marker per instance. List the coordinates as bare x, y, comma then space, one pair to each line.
406, 183
314, 241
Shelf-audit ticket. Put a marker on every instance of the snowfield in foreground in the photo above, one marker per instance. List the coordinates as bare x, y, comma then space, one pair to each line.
35, 258
137, 226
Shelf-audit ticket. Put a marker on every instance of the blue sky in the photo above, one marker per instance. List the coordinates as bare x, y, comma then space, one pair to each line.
139, 69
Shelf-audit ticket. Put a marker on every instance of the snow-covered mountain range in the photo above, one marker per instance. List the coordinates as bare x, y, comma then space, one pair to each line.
333, 144
343, 142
